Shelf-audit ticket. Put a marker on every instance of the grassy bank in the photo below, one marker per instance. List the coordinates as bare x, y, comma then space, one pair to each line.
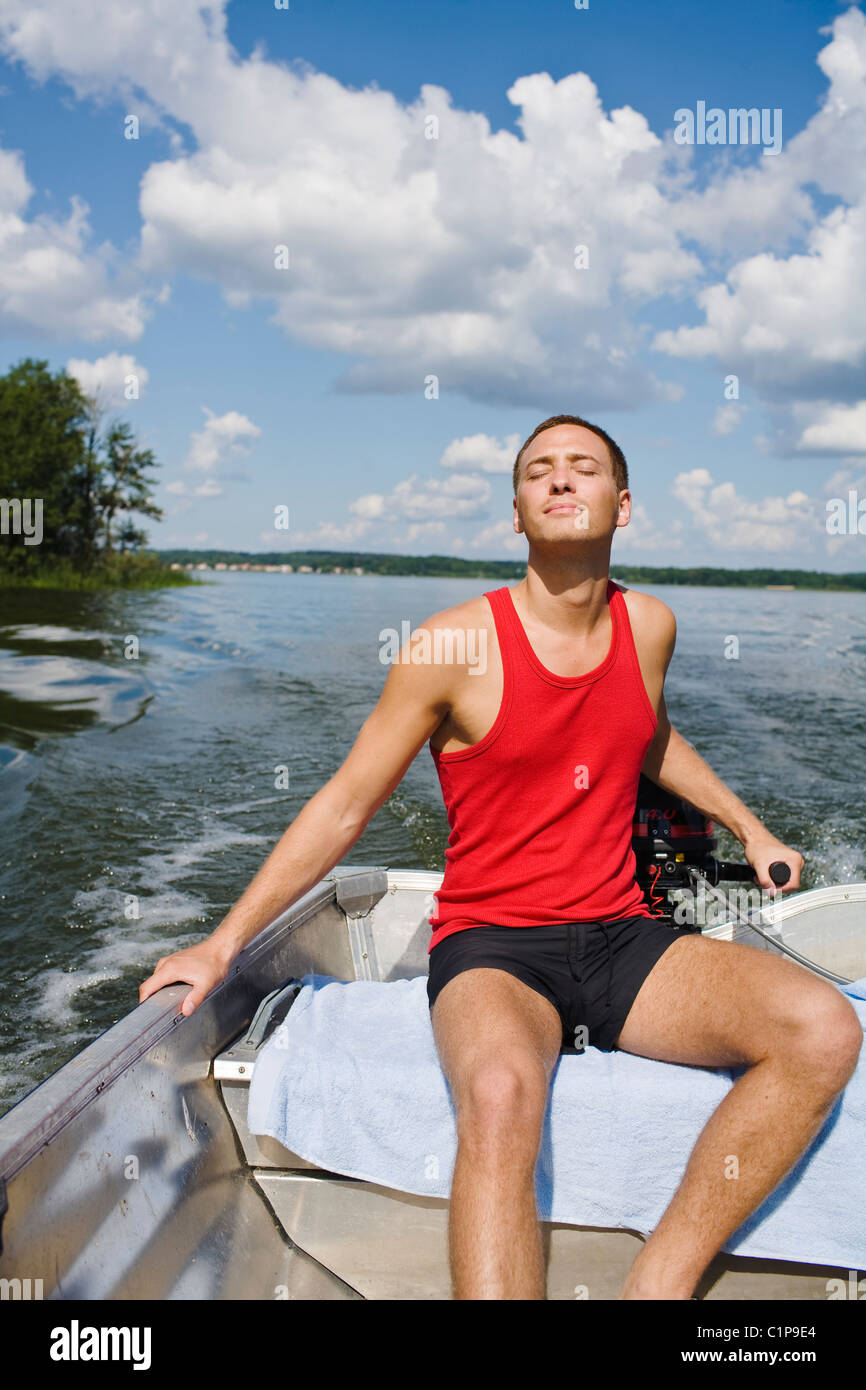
126, 571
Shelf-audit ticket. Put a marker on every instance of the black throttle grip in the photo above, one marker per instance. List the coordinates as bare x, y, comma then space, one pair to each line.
779, 872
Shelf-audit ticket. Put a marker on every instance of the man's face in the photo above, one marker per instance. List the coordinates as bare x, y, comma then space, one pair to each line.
566, 489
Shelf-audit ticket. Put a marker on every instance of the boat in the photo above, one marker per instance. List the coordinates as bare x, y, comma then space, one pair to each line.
131, 1174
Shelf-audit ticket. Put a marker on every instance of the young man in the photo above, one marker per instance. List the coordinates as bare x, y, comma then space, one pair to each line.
540, 929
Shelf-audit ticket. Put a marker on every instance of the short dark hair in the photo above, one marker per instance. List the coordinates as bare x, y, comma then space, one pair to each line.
617, 457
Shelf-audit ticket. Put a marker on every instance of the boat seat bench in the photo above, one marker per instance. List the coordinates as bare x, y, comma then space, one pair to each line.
389, 1244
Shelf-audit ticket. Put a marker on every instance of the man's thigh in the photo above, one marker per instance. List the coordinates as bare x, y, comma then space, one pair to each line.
711, 1003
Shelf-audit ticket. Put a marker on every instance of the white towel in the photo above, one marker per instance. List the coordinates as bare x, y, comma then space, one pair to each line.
352, 1082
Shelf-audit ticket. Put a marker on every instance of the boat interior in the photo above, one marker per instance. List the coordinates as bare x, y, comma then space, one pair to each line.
131, 1173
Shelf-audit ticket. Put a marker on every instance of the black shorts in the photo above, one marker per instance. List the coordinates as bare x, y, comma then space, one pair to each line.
590, 971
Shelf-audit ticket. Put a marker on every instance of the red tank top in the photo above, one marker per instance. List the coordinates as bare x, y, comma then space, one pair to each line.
541, 809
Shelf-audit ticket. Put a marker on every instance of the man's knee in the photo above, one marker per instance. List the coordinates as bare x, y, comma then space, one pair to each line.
504, 1092
829, 1037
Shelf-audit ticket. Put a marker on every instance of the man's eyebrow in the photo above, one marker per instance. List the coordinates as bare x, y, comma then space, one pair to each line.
548, 458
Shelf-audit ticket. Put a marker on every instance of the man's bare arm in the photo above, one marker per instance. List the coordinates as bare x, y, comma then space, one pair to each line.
414, 700
674, 764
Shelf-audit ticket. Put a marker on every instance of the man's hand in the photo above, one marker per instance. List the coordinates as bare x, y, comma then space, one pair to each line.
201, 966
764, 849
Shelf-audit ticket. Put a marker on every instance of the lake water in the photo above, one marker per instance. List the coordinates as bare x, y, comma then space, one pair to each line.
154, 778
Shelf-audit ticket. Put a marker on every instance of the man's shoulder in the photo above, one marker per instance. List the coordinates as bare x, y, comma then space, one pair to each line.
654, 623
654, 608
446, 646
473, 613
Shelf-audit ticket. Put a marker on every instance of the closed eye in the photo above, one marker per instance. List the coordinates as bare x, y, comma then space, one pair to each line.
590, 473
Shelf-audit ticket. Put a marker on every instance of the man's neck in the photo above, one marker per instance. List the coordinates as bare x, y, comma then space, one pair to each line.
567, 594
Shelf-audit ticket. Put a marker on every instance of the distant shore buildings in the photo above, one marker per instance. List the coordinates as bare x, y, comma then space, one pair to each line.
268, 569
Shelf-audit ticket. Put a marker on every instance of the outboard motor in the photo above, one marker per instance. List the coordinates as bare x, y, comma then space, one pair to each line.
673, 846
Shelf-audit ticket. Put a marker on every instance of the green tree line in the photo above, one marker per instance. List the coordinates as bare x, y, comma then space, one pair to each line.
71, 486
452, 567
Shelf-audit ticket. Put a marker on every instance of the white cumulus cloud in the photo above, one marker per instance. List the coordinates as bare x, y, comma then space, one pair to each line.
223, 438
837, 429
52, 284
482, 453
722, 518
108, 378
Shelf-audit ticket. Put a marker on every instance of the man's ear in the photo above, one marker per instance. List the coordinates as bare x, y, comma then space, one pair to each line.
624, 508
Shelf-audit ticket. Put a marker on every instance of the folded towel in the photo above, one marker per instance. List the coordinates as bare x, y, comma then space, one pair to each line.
352, 1082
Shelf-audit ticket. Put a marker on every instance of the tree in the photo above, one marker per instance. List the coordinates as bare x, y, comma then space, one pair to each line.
41, 454
91, 481
125, 487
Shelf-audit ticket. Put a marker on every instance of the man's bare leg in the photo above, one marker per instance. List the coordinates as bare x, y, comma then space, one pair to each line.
717, 1003
498, 1041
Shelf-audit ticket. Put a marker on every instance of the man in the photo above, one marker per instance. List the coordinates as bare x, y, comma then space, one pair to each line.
540, 929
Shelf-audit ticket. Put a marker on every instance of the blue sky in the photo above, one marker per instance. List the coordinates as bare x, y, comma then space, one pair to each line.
452, 257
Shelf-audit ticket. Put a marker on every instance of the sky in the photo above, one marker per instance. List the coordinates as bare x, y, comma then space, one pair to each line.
333, 261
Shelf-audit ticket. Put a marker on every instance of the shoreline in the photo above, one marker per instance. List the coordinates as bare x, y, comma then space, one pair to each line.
183, 568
